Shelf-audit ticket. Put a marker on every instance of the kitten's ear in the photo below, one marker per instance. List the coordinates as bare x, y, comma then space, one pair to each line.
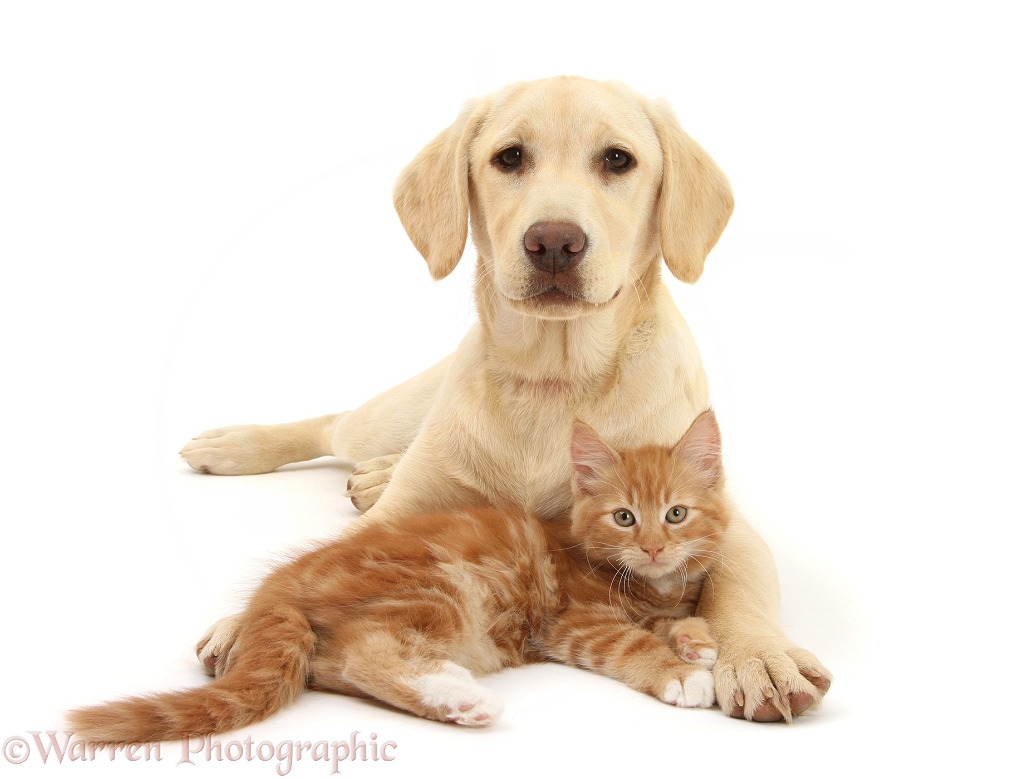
590, 454
701, 446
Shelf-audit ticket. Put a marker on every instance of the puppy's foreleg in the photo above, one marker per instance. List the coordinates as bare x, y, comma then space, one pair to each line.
247, 449
385, 425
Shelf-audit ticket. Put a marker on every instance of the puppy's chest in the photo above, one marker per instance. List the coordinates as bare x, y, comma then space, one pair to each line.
516, 438
529, 456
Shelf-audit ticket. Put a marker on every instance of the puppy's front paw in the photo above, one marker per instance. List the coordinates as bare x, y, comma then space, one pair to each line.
368, 480
767, 678
234, 451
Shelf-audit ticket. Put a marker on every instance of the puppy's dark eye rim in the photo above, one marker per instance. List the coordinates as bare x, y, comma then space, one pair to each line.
676, 514
617, 159
623, 517
509, 157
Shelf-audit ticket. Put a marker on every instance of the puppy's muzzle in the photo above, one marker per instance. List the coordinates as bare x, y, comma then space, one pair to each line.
555, 247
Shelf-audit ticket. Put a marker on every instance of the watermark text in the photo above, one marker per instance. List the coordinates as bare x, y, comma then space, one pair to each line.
52, 746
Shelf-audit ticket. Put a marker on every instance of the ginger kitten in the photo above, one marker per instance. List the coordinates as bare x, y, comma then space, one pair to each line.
409, 611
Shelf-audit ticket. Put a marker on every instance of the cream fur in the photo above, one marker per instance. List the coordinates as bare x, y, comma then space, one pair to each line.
493, 421
458, 696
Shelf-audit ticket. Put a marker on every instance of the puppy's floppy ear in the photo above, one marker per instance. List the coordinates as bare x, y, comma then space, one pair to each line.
696, 200
432, 193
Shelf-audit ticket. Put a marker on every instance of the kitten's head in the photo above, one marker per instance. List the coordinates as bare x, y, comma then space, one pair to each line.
657, 511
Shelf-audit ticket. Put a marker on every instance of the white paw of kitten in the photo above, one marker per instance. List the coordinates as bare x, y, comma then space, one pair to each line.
696, 691
457, 697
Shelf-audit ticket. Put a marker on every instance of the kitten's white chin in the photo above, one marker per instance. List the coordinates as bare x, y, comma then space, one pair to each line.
652, 570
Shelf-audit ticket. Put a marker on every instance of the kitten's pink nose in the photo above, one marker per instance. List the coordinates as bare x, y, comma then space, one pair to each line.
652, 551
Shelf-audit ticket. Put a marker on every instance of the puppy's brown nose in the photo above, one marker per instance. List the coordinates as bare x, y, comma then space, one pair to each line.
555, 247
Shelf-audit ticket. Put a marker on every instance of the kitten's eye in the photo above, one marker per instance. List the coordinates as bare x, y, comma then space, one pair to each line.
617, 160
676, 514
510, 158
624, 518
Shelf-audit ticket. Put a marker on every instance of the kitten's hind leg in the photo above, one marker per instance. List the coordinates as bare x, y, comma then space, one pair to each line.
452, 693
692, 641
214, 647
411, 677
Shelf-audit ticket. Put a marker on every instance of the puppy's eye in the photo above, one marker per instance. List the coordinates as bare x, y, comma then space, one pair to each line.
510, 158
623, 517
676, 514
617, 160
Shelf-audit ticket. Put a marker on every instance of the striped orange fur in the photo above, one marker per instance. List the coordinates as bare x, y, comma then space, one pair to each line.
408, 612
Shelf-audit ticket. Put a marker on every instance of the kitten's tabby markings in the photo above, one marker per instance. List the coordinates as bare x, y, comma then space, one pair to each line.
406, 612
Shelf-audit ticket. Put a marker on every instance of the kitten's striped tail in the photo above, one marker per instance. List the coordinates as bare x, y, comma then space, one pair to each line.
269, 669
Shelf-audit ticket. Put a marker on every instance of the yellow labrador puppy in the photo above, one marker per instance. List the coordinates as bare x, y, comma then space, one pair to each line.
573, 192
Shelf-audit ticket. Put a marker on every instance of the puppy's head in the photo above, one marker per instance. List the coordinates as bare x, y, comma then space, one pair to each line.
571, 188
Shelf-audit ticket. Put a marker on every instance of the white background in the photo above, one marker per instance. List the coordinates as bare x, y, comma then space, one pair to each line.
196, 229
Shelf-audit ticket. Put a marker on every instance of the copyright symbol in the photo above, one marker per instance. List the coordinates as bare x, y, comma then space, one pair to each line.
16, 750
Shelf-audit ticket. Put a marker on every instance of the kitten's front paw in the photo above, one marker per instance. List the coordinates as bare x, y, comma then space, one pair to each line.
214, 647
767, 678
368, 479
693, 643
697, 690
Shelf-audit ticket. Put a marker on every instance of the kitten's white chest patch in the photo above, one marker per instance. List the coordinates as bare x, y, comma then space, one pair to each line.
665, 585
671, 591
